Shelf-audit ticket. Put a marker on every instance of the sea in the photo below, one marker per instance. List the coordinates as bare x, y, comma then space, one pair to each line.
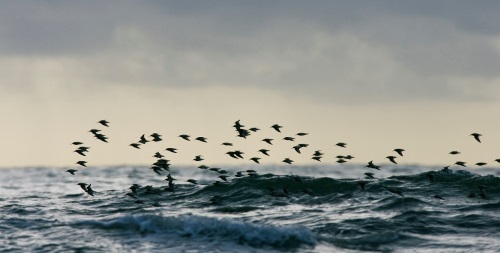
277, 208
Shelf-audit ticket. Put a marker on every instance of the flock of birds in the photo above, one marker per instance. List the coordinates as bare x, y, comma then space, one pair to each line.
162, 164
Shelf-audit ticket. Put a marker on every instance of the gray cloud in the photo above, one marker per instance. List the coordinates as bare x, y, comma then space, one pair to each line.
340, 51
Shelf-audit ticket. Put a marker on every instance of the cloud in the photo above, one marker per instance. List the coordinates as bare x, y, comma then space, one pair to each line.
341, 52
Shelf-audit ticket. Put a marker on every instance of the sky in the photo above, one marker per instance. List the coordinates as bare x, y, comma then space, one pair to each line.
378, 75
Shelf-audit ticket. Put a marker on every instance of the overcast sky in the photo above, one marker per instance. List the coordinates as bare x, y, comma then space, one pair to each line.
375, 74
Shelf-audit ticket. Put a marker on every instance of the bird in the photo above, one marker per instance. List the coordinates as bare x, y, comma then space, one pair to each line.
476, 136
318, 153
239, 174
193, 181
82, 163
135, 145
341, 160
399, 151
214, 169
185, 137
302, 134
497, 160
83, 186
438, 197
232, 154
143, 140
94, 131
460, 163
289, 138
71, 171
254, 129
198, 158
223, 177
317, 158
264, 151
156, 137
341, 144
269, 141
454, 152
80, 152
255, 159
287, 160
392, 159
76, 143
277, 127
297, 148
373, 166
481, 163
362, 185
202, 139
158, 155
101, 137
227, 144
203, 167
134, 188
173, 150
156, 169
393, 190
103, 122
239, 154
131, 194
349, 157
369, 175
89, 190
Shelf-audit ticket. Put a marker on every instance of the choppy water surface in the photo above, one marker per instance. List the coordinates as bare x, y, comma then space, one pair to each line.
325, 210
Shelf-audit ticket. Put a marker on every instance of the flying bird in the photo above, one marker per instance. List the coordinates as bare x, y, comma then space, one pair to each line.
476, 136
202, 139
289, 139
77, 143
302, 134
254, 129
103, 122
264, 151
156, 137
80, 152
193, 181
481, 164
369, 175
71, 171
373, 166
135, 145
143, 140
454, 152
227, 144
277, 127
198, 158
83, 186
460, 163
392, 159
317, 158
255, 159
82, 163
185, 137
288, 160
158, 155
268, 141
399, 151
341, 144
173, 150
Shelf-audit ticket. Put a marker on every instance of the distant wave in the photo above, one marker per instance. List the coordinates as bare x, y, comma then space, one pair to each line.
201, 227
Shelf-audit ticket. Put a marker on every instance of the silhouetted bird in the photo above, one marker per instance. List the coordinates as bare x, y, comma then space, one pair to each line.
268, 141
82, 163
476, 136
373, 166
94, 131
198, 158
392, 159
497, 160
203, 167
143, 140
317, 158
104, 122
156, 137
71, 171
239, 154
80, 152
227, 144
395, 191
214, 169
158, 155
454, 152
460, 163
202, 139
173, 150
369, 175
297, 148
157, 169
83, 186
399, 151
349, 157
237, 125
302, 134
318, 153
288, 160
481, 164
254, 129
101, 137
76, 143
289, 139
341, 144
135, 145
192, 181
362, 185
264, 151
223, 177
185, 137
239, 174
277, 127
341, 160
134, 188
89, 190
255, 159
438, 197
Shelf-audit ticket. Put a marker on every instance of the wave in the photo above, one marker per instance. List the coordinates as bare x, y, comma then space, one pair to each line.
201, 227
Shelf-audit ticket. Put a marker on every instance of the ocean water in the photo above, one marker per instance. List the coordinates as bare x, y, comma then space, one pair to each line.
322, 209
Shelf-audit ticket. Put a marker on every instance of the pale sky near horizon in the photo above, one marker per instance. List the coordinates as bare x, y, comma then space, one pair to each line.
377, 75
